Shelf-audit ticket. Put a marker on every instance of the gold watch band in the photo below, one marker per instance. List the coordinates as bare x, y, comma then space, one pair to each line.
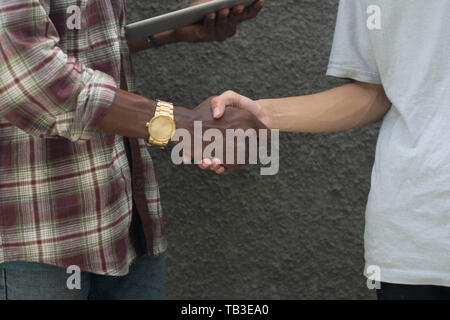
163, 109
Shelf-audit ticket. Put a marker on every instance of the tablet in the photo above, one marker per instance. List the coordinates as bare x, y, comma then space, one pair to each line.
179, 18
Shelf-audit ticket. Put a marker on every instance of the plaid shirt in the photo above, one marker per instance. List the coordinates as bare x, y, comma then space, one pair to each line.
66, 190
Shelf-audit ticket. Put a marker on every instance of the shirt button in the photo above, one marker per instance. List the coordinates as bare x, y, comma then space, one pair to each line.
137, 182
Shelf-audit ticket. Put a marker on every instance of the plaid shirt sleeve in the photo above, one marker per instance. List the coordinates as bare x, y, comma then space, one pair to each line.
43, 91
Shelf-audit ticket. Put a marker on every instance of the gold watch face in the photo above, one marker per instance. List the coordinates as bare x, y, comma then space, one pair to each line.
161, 128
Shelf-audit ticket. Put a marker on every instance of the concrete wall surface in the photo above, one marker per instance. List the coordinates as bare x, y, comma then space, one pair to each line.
295, 235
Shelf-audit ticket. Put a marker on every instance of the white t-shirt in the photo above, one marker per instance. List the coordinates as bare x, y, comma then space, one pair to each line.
405, 46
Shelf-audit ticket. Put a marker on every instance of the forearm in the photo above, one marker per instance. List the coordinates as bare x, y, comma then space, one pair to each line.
129, 114
161, 39
342, 108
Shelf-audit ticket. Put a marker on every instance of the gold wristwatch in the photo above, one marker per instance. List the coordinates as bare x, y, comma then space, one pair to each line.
162, 126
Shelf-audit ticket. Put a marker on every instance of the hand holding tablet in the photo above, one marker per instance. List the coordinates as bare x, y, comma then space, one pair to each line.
185, 17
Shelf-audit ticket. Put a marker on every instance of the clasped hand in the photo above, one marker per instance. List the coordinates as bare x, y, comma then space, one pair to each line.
233, 131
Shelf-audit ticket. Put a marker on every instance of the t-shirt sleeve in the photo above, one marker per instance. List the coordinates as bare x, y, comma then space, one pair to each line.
352, 55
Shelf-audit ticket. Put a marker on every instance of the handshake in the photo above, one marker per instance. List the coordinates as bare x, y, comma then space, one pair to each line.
219, 134
224, 132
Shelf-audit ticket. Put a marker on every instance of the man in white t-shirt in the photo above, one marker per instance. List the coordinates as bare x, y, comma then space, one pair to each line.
398, 55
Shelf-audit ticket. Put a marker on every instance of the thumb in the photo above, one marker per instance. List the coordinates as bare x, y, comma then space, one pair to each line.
218, 104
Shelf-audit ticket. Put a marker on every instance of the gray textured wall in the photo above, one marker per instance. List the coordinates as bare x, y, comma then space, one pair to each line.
296, 235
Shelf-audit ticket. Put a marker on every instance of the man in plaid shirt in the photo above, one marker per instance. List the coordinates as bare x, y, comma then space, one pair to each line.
73, 190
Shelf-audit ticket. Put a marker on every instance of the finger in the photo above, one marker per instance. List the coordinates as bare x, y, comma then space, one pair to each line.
236, 13
220, 170
223, 16
222, 24
218, 104
200, 163
216, 164
253, 11
203, 166
206, 163
210, 21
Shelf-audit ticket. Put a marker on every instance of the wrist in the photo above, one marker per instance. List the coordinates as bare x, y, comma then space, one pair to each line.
184, 119
164, 38
263, 115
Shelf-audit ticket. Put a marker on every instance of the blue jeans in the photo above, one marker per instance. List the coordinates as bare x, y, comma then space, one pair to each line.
145, 281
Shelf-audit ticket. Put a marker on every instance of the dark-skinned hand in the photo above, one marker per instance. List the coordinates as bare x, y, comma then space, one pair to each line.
233, 118
218, 26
